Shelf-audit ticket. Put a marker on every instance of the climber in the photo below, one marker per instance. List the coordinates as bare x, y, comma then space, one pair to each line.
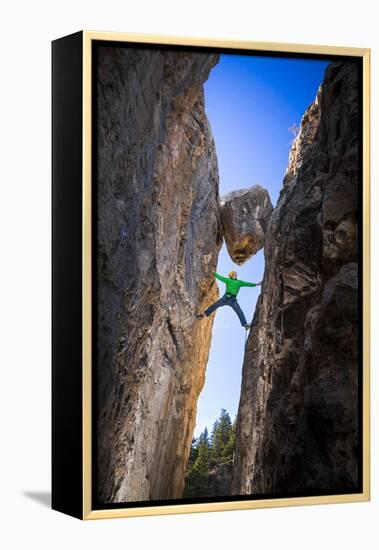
233, 286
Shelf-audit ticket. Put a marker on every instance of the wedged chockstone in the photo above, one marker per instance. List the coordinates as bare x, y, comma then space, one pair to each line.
245, 214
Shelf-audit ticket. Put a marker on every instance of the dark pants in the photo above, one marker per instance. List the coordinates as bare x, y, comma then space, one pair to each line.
226, 301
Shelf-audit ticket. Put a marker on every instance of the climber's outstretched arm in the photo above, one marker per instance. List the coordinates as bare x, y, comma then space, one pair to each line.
245, 283
220, 277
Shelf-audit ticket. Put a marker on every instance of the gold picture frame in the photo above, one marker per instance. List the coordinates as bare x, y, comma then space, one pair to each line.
85, 509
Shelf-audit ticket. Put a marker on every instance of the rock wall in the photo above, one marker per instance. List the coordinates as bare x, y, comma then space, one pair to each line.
298, 412
159, 234
220, 479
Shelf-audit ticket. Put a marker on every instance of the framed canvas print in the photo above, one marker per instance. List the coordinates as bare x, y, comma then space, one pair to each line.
210, 275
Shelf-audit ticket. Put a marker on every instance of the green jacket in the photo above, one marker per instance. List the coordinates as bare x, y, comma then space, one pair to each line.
232, 285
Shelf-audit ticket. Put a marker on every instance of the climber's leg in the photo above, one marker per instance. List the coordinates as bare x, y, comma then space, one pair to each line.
235, 305
219, 303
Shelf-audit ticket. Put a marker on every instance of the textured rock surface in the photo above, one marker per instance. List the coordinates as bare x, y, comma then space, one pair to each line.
159, 233
221, 479
298, 412
244, 215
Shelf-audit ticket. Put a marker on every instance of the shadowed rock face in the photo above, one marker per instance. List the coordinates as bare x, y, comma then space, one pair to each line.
220, 479
244, 215
298, 412
159, 234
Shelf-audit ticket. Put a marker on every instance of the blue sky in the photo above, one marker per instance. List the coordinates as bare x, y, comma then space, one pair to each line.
251, 103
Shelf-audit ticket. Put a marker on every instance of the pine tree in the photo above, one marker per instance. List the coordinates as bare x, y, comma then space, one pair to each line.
228, 452
222, 429
206, 454
193, 452
197, 477
203, 452
203, 438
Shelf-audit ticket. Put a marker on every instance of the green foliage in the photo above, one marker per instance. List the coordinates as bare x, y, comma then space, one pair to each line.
221, 434
193, 453
207, 453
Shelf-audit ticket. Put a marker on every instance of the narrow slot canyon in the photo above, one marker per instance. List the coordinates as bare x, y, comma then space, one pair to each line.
244, 217
181, 197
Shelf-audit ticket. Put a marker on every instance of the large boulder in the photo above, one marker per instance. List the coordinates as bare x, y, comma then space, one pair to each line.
245, 214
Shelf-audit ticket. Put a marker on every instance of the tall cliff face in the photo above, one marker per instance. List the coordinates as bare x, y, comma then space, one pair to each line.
298, 411
159, 233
